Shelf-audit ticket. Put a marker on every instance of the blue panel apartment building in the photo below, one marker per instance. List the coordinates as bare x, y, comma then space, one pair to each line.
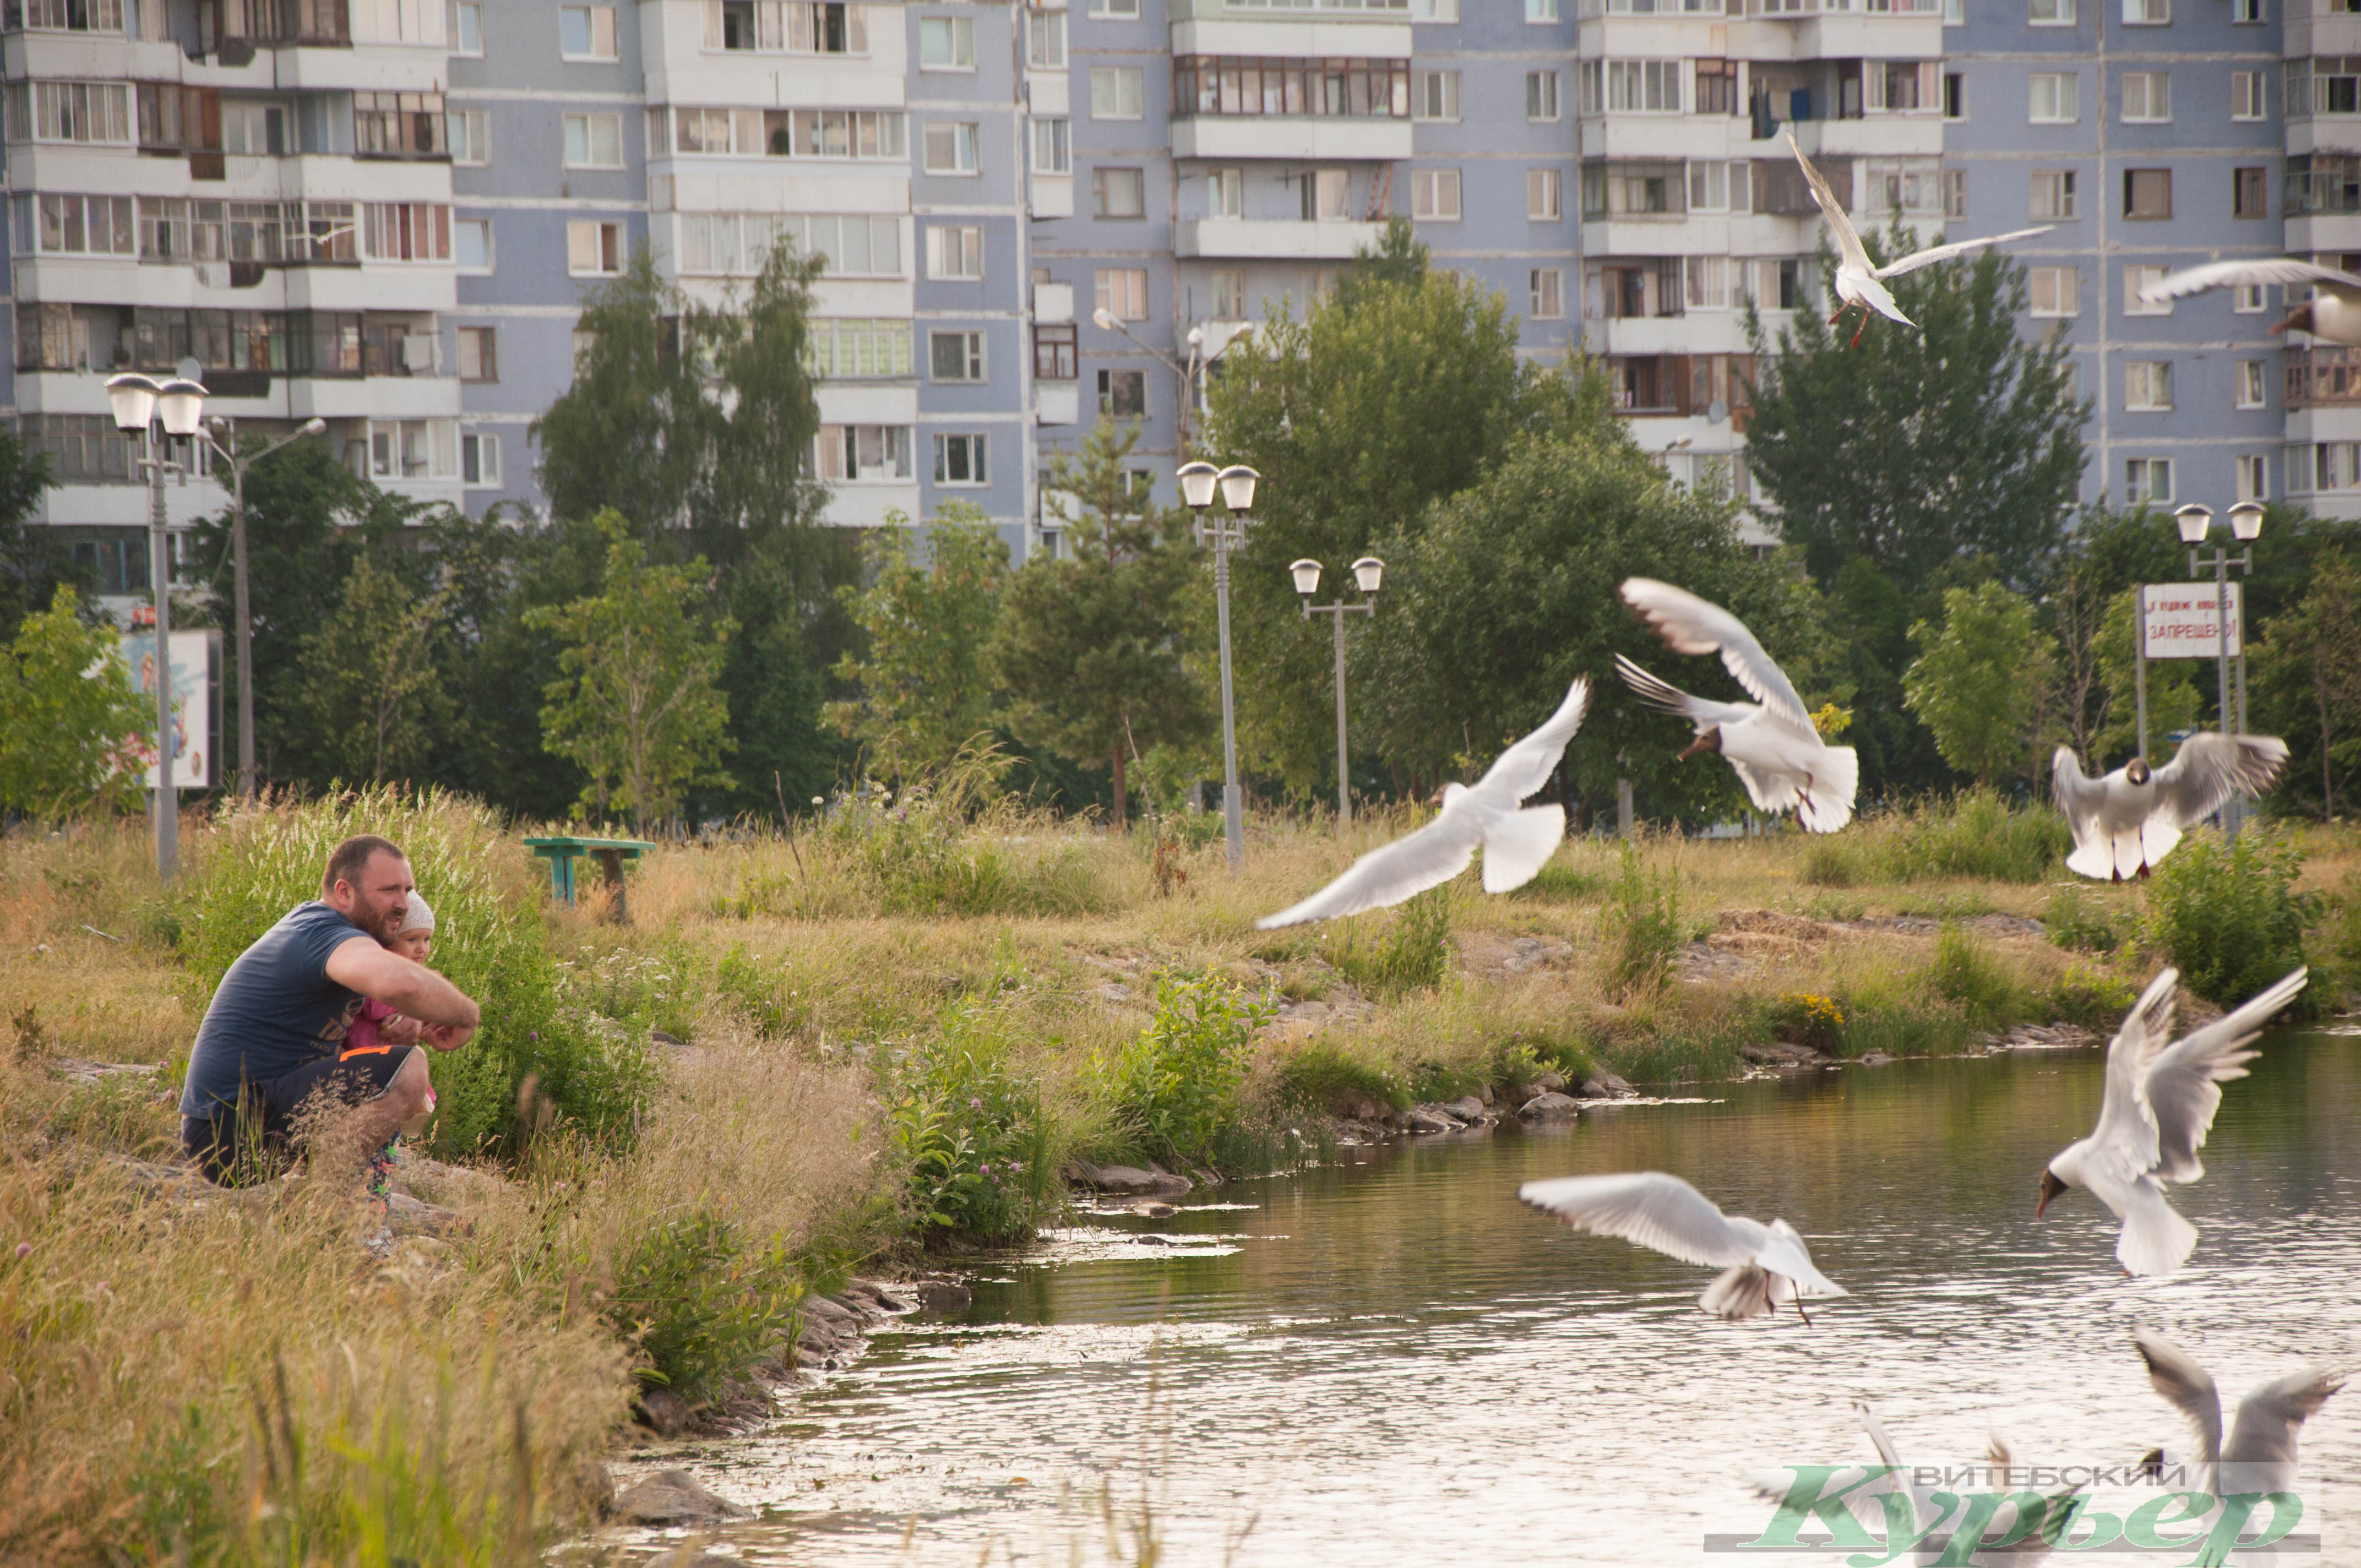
386, 213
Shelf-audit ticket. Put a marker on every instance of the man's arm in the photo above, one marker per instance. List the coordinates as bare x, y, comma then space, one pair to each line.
361, 965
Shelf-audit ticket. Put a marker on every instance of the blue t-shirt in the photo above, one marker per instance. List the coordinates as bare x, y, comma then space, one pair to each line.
276, 1010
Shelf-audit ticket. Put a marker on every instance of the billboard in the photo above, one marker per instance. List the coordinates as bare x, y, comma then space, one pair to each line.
192, 709
2180, 620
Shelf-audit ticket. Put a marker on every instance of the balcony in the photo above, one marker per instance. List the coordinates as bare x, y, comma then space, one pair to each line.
2324, 379
1305, 140
1269, 239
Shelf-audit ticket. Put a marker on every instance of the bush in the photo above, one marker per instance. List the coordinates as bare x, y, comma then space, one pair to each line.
2072, 919
1976, 834
1321, 1073
702, 1302
2091, 997
929, 853
491, 941
973, 1134
1642, 926
2227, 914
1412, 953
1176, 1089
1805, 1018
1967, 973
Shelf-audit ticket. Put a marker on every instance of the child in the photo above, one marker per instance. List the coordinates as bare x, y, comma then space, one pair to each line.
377, 1027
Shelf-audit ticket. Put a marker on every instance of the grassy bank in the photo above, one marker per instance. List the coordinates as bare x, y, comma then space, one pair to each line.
875, 1039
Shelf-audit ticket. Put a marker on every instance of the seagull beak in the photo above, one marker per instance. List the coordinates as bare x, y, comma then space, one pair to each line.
2051, 1188
1709, 742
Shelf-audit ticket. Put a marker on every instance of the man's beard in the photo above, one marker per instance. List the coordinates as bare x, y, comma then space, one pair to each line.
384, 925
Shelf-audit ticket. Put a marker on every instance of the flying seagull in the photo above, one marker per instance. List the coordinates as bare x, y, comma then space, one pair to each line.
2157, 1106
1771, 743
2333, 315
1516, 843
2260, 1456
1762, 1267
1860, 281
2128, 820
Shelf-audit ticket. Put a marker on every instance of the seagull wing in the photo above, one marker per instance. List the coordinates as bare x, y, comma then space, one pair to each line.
2083, 801
1691, 625
1527, 765
2209, 769
2126, 1134
1411, 864
2183, 1082
1933, 253
1786, 1255
1847, 242
1703, 712
2269, 1418
1652, 1208
2282, 269
2186, 1386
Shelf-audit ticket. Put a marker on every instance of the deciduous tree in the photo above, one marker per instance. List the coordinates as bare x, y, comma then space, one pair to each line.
925, 687
371, 686
1978, 683
74, 734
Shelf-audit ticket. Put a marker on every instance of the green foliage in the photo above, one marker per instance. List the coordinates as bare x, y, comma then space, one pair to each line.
2309, 662
969, 1126
1176, 1090
926, 691
370, 687
1559, 882
1641, 929
2174, 702
32, 567
922, 853
1976, 834
637, 707
1805, 1018
1412, 951
2074, 919
2092, 998
1967, 973
1978, 681
491, 941
2338, 941
2228, 917
1322, 1072
703, 1301
73, 729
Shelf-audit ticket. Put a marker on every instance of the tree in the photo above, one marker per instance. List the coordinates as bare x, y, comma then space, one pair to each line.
925, 687
74, 734
637, 706
2174, 700
1978, 684
371, 689
1090, 648
1919, 450
2311, 654
31, 566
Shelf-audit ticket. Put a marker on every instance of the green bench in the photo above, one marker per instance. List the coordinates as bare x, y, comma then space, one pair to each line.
610, 853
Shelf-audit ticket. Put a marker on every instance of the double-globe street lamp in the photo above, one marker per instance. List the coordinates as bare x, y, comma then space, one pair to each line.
2246, 524
1367, 571
1226, 533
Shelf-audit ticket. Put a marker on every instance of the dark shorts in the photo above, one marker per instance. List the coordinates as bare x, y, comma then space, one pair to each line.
229, 1147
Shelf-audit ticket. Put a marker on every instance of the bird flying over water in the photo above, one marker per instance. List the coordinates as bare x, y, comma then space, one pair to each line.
1762, 1267
2260, 1456
2126, 821
1516, 843
1771, 743
2157, 1106
2332, 315
1860, 281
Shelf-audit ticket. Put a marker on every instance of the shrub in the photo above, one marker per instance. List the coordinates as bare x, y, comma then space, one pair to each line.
1805, 1018
1413, 952
1976, 834
1176, 1089
972, 1132
702, 1301
2227, 914
1322, 1072
2072, 919
930, 854
1968, 974
2339, 941
2091, 997
1642, 926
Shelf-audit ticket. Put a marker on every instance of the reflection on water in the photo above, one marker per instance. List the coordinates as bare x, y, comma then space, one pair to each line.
1393, 1359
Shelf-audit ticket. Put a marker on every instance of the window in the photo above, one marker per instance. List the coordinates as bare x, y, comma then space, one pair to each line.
955, 252
470, 134
1053, 352
2053, 195
1541, 10
372, 21
2055, 292
1707, 287
959, 460
1435, 195
791, 133
2147, 385
1227, 85
479, 460
2146, 12
787, 27
864, 452
1642, 86
1053, 147
479, 355
945, 43
2050, 13
1434, 96
2147, 195
1716, 87
1541, 94
594, 141
396, 125
586, 32
955, 356
1118, 194
406, 231
1225, 194
1955, 95
1434, 10
2148, 479
1115, 7
1045, 40
1546, 293
471, 244
2248, 299
1229, 287
2251, 394
467, 34
2254, 478
1543, 195
97, 112
2247, 198
1115, 92
1122, 292
950, 148
2135, 280
1327, 195
2147, 97
2056, 101
2246, 100
1955, 192
1123, 394
852, 347
411, 449
2328, 84
68, 16
594, 249
2245, 13
54, 224
259, 130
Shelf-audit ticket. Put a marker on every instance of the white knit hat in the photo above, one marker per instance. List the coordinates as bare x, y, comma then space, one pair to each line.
420, 916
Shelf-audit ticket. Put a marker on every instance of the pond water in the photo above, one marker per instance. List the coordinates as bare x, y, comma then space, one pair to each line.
1391, 1359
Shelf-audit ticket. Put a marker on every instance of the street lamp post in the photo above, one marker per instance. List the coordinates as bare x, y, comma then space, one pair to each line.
2246, 524
227, 452
1226, 532
157, 413
1366, 573
1199, 359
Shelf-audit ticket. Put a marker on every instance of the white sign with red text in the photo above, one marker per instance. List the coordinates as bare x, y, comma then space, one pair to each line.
2181, 620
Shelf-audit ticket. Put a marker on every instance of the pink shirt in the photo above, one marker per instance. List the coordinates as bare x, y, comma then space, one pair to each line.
361, 1037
